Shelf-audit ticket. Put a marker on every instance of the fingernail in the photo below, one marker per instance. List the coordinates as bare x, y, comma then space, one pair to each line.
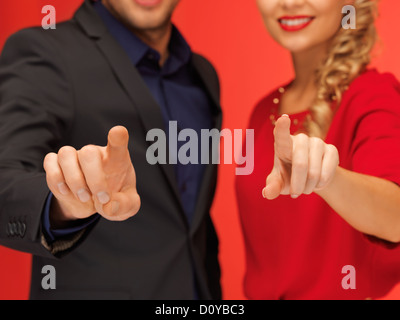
294, 196
285, 115
114, 207
62, 187
103, 197
83, 195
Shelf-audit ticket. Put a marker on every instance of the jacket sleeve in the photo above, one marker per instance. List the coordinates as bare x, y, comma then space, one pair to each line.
36, 113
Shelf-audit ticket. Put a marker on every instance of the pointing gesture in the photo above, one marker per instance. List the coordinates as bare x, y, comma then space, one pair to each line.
93, 179
302, 164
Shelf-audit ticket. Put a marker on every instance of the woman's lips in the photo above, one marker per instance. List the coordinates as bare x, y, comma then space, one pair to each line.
294, 23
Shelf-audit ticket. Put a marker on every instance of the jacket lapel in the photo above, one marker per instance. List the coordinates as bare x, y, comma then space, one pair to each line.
206, 194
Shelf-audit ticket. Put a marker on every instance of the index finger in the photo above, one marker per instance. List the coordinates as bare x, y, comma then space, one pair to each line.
117, 145
283, 139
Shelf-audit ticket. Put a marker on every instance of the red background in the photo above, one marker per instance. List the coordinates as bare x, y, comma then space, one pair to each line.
230, 33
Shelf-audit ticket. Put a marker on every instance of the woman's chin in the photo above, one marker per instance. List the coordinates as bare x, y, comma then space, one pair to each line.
296, 47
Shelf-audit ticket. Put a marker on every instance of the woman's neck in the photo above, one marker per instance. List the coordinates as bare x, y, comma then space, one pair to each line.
303, 90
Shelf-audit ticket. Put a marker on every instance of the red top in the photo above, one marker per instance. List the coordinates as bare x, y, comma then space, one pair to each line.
296, 248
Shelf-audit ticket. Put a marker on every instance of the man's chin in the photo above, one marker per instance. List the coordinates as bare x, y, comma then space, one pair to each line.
150, 24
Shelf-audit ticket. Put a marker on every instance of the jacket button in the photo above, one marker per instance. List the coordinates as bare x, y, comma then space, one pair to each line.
11, 228
22, 230
8, 229
18, 229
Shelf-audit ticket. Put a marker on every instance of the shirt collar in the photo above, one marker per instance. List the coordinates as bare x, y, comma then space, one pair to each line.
180, 52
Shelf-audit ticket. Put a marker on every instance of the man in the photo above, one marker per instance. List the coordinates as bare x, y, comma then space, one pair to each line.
112, 225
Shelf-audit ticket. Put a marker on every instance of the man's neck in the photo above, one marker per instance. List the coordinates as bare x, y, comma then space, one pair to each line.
157, 39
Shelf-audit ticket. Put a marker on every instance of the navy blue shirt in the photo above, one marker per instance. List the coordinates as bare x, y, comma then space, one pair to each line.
180, 94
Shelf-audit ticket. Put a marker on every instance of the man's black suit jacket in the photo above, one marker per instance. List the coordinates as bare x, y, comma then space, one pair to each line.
69, 86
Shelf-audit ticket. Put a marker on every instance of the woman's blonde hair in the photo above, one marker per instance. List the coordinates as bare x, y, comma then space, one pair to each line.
348, 56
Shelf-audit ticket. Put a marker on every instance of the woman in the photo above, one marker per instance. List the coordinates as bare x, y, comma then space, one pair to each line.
321, 211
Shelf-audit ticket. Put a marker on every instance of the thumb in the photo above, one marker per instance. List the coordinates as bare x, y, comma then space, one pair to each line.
274, 185
283, 139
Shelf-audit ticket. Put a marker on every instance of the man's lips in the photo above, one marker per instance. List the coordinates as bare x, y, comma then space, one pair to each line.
294, 23
148, 3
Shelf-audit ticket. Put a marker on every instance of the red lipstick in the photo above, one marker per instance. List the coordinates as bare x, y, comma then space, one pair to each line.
295, 23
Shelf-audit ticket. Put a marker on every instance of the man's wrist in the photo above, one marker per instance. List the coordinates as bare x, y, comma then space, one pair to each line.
59, 218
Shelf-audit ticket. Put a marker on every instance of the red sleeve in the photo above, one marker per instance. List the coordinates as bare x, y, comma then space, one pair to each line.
375, 148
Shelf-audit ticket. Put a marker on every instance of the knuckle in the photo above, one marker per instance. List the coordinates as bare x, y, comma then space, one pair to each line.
301, 142
88, 152
66, 152
133, 207
53, 177
333, 152
331, 148
300, 165
302, 137
137, 203
313, 175
90, 148
323, 180
50, 157
317, 142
